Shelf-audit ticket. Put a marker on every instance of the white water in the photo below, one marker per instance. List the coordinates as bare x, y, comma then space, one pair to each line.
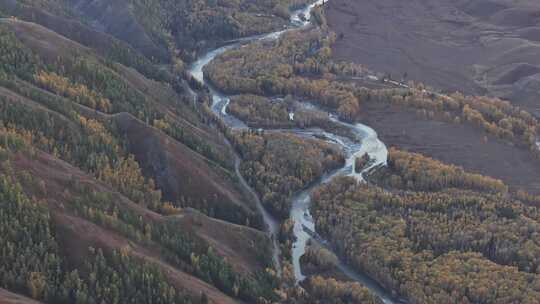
367, 142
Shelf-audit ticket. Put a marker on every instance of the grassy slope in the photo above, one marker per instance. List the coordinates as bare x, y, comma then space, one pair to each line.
182, 172
158, 96
76, 233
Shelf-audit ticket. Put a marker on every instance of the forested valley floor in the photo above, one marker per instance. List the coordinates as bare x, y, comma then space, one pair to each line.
118, 183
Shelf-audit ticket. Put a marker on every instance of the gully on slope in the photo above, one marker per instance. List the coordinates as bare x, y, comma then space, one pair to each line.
304, 227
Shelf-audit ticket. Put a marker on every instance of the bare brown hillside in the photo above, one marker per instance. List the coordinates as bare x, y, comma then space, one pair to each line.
62, 184
476, 47
184, 175
7, 297
103, 162
461, 145
487, 47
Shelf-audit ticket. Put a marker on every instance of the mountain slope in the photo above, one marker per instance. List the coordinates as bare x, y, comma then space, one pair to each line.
108, 153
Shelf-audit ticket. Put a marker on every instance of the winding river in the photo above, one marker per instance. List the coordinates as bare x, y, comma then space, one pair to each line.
366, 141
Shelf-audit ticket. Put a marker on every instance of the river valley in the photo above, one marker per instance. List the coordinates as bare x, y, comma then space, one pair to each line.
365, 141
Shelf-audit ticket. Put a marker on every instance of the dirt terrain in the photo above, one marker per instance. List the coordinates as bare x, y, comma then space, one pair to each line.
7, 297
483, 47
458, 144
77, 233
477, 47
183, 174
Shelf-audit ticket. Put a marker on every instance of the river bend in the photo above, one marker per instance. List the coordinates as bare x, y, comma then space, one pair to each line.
365, 141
